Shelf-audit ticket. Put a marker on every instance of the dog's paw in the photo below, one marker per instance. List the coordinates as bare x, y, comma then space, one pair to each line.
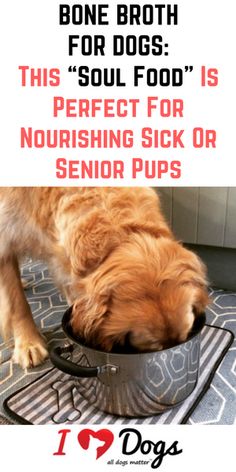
30, 354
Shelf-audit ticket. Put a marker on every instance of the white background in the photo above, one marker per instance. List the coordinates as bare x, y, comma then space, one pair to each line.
31, 448
31, 35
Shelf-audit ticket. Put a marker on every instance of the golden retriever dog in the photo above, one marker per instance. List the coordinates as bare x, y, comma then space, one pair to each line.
113, 255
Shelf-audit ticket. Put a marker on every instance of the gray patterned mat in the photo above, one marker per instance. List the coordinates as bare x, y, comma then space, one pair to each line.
218, 405
54, 398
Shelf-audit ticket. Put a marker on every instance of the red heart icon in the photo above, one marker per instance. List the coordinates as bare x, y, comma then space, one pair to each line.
104, 435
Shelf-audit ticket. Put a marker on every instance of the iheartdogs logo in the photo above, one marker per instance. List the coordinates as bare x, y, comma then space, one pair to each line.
130, 441
104, 435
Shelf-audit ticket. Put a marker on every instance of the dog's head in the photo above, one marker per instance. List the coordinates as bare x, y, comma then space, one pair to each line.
147, 291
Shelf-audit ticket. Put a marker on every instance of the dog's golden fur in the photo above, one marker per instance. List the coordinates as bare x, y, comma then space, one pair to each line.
112, 254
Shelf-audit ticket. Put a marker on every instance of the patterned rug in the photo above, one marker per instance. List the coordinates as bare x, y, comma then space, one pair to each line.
218, 405
54, 398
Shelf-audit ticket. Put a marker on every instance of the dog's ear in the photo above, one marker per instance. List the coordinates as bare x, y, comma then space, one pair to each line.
201, 300
91, 241
88, 314
91, 319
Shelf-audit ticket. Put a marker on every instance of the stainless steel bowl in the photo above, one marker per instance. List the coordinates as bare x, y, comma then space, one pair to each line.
137, 384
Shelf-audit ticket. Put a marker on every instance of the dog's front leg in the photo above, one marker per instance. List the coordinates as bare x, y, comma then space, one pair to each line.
16, 318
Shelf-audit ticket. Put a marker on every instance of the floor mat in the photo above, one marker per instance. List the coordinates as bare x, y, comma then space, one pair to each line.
218, 406
54, 398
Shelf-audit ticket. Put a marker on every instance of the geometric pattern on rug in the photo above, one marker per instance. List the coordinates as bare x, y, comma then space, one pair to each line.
219, 403
218, 406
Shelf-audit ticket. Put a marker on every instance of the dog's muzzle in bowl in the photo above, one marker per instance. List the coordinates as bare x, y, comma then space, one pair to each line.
140, 384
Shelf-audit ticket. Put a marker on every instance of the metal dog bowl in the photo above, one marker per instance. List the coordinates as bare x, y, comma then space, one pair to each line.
139, 384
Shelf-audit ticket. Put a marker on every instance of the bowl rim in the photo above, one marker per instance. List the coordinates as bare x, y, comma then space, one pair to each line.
65, 322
